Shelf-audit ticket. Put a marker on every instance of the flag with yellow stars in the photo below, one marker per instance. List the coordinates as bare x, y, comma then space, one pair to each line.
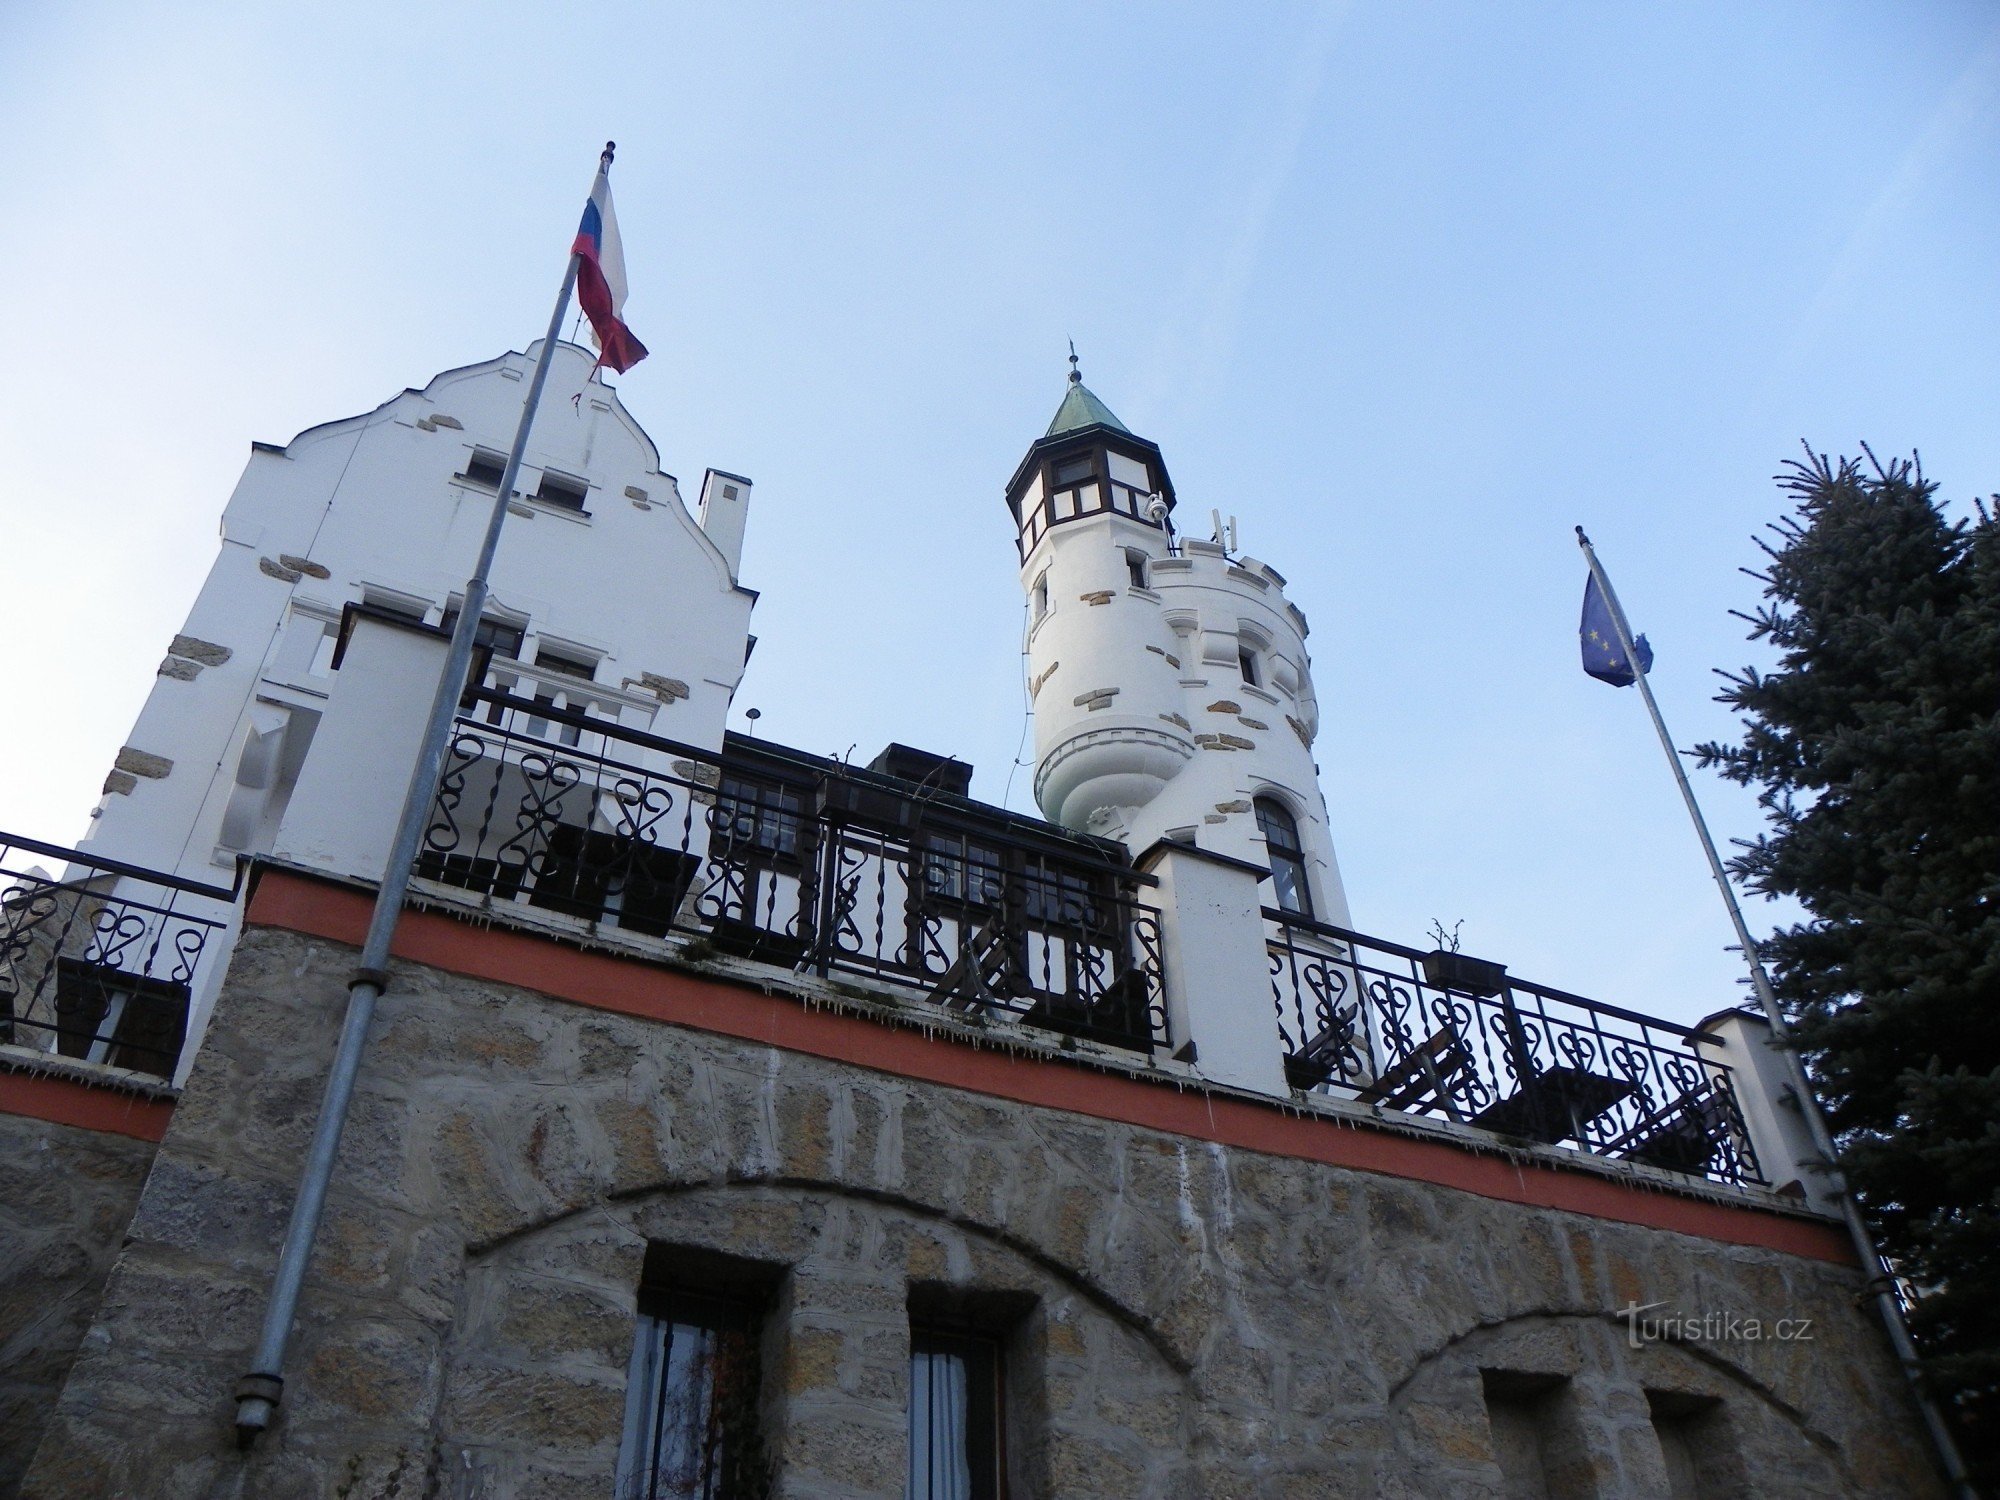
1603, 658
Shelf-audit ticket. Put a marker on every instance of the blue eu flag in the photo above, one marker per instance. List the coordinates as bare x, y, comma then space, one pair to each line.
1602, 657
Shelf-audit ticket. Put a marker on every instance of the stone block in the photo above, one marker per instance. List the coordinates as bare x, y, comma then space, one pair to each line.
143, 763
204, 653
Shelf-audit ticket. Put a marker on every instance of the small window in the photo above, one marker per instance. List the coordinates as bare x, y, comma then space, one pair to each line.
691, 1396
1285, 856
1135, 568
570, 666
1041, 596
484, 468
962, 872
1522, 1415
399, 605
729, 492
1695, 1443
501, 636
1246, 662
558, 490
1074, 471
105, 1015
955, 1418
757, 818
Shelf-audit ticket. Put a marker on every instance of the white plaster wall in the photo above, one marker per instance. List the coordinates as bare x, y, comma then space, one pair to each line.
1152, 761
372, 503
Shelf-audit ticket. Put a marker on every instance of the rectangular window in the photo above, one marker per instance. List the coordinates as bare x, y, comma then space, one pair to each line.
106, 1015
959, 871
691, 1397
557, 489
484, 469
1135, 568
955, 1418
757, 818
1246, 661
1074, 471
1695, 1443
502, 637
1531, 1434
552, 660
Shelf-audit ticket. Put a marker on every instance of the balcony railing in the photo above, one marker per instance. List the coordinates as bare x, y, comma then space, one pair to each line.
98, 959
1444, 1035
770, 854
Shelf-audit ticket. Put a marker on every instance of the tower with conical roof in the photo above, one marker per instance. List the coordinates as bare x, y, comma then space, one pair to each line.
1172, 692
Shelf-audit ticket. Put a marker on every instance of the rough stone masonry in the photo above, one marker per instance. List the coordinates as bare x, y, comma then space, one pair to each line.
1181, 1318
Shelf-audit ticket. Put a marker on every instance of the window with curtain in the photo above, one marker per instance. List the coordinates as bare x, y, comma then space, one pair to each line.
955, 1449
691, 1396
1286, 857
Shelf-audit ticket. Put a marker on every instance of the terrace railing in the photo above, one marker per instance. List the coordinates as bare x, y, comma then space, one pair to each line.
98, 959
816, 867
1453, 1037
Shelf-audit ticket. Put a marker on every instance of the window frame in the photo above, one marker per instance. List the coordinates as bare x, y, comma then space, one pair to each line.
986, 1408
1287, 851
483, 458
561, 491
738, 1318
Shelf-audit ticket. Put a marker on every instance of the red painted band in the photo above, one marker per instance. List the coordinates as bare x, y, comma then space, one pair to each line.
67, 1101
607, 982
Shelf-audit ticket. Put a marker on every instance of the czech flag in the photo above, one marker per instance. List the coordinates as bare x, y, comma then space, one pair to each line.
600, 280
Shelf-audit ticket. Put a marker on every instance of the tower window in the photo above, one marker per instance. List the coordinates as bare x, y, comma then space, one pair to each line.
1074, 471
1246, 663
1135, 567
955, 1443
1041, 596
1286, 856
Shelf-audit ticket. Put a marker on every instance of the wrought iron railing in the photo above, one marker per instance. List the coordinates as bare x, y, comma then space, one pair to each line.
1449, 1036
809, 864
99, 959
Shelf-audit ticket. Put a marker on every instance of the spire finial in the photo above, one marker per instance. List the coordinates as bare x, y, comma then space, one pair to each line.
1075, 375
604, 161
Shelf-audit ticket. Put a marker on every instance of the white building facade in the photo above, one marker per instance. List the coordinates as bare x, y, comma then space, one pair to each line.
608, 599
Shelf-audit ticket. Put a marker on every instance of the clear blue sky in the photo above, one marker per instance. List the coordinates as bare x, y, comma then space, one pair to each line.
1409, 289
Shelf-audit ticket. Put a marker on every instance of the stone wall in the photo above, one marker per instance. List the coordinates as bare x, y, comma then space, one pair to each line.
66, 1194
1181, 1318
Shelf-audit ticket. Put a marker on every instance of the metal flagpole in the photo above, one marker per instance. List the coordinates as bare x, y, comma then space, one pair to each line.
1881, 1281
258, 1392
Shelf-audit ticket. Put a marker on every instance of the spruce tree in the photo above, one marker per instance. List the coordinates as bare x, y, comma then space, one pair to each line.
1874, 744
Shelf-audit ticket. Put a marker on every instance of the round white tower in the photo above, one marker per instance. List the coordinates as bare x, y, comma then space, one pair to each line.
1172, 692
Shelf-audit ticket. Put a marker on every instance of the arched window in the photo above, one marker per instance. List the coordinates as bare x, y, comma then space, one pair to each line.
1287, 857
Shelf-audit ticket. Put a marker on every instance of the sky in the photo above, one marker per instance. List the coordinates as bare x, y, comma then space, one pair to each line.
1409, 289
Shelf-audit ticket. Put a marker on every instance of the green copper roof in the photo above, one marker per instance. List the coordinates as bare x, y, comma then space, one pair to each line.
1080, 409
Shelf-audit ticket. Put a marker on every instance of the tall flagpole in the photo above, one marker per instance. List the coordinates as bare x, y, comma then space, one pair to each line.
1881, 1282
258, 1392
